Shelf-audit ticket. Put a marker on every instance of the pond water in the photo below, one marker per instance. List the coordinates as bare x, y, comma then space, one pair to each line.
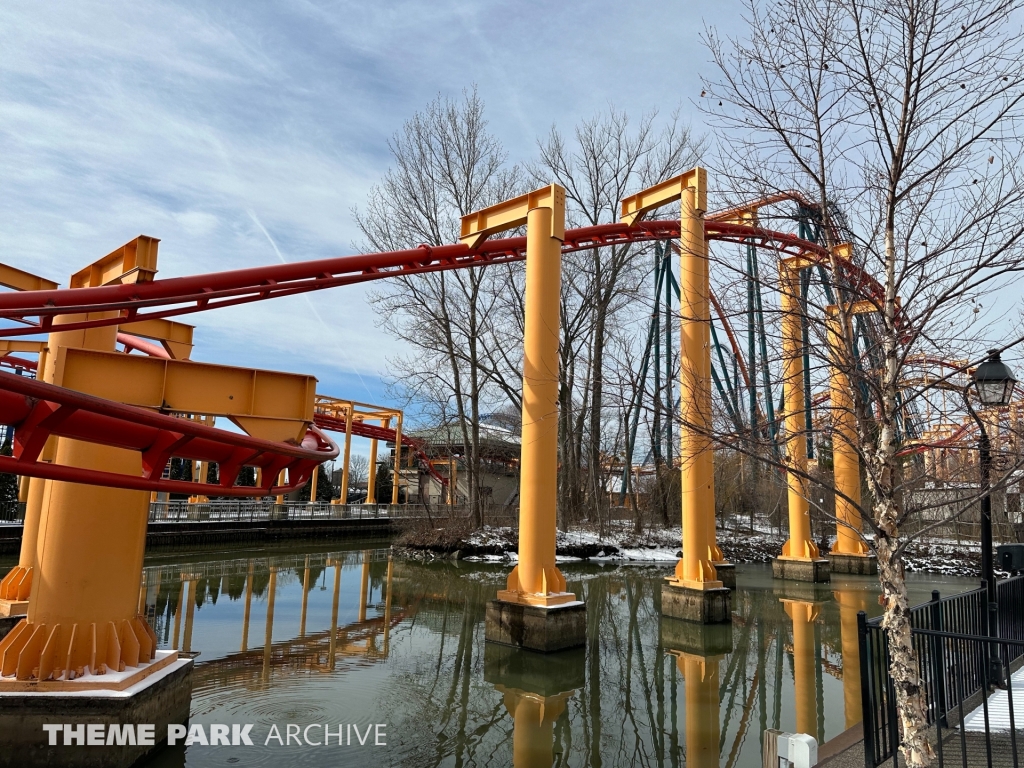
347, 636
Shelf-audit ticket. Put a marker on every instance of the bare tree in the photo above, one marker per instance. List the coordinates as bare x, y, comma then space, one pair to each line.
358, 468
898, 122
608, 158
447, 164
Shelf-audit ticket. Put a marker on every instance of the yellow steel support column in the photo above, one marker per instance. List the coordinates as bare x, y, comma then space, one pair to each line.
844, 455
371, 483
703, 716
281, 476
803, 615
313, 483
23, 483
851, 602
398, 460
800, 545
16, 586
268, 638
348, 452
305, 598
248, 609
535, 580
364, 585
387, 607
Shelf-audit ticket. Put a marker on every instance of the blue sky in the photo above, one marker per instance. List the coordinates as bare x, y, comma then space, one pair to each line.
244, 133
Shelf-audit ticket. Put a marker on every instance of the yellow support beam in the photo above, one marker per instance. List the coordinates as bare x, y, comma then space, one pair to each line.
267, 404
478, 226
133, 262
175, 337
19, 280
635, 206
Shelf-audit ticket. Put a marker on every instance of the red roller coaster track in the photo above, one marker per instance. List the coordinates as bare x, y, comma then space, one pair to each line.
36, 409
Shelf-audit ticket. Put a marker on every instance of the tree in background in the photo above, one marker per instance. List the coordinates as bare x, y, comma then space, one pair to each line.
899, 122
8, 482
324, 487
447, 164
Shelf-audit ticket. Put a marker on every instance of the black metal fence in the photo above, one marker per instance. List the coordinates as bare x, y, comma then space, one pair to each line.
956, 662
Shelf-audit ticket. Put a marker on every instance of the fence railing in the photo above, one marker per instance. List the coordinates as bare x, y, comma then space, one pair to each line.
955, 660
259, 510
12, 513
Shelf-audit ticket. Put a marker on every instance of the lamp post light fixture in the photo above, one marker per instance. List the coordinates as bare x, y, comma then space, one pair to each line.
993, 384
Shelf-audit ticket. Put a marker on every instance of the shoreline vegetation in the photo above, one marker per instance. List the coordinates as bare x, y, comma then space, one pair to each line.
620, 544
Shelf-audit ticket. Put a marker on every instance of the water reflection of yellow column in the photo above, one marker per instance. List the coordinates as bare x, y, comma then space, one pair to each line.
305, 598
703, 716
177, 613
365, 585
333, 641
387, 608
534, 719
803, 615
190, 610
248, 606
850, 604
269, 638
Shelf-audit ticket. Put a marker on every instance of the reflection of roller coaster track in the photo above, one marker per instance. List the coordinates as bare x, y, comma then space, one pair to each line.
36, 409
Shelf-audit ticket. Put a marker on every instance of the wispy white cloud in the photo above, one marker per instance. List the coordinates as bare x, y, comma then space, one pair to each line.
211, 126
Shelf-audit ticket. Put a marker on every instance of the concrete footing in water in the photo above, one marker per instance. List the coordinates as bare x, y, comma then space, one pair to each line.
726, 574
702, 606
543, 674
536, 628
680, 636
866, 565
816, 571
86, 738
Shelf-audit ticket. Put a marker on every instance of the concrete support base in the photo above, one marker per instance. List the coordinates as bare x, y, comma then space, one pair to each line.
13, 608
679, 636
866, 565
726, 574
708, 606
542, 674
816, 571
161, 699
536, 628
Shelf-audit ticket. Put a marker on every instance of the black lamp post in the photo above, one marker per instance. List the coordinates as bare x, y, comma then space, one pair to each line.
993, 383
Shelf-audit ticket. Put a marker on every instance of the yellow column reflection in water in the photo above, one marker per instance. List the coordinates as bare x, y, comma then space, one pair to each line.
177, 613
387, 608
333, 641
851, 602
533, 716
248, 606
305, 598
365, 585
803, 615
269, 638
190, 610
703, 715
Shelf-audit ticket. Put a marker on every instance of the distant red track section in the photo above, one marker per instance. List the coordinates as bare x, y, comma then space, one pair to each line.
185, 295
38, 410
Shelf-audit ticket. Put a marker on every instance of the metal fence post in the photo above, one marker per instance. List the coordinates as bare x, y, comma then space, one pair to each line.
938, 669
865, 686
